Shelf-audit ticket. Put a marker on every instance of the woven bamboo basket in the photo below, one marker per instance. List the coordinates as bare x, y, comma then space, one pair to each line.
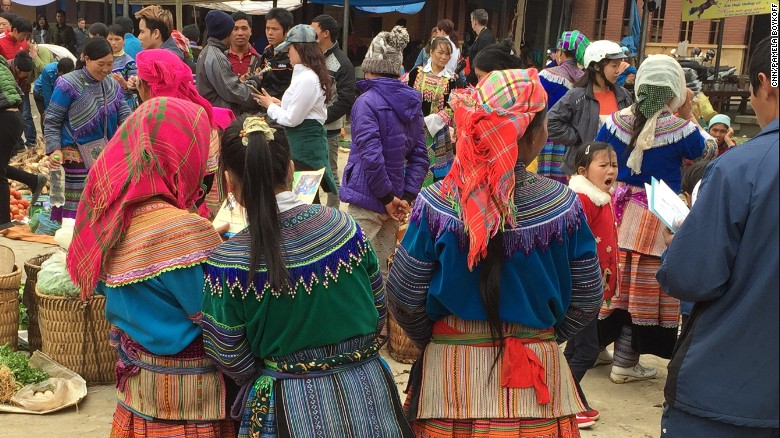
9, 307
31, 268
75, 334
400, 347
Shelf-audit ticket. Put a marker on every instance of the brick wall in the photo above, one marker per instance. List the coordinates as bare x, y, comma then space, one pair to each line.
735, 30
583, 16
614, 28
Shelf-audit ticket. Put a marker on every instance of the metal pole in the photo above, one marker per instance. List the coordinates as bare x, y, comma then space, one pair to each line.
345, 31
643, 37
547, 31
126, 8
720, 46
502, 20
178, 14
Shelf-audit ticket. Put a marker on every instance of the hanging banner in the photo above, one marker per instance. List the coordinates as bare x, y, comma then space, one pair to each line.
717, 9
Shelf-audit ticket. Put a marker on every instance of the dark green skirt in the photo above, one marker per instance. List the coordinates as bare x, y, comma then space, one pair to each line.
309, 149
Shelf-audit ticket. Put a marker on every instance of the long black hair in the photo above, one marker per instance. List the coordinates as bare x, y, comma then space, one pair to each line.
260, 167
491, 265
312, 57
639, 123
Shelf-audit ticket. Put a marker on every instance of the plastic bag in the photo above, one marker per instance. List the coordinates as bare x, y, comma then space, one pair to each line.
54, 279
67, 389
64, 235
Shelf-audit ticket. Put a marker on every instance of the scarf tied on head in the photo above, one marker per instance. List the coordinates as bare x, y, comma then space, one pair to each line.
169, 76
660, 85
574, 41
490, 120
160, 151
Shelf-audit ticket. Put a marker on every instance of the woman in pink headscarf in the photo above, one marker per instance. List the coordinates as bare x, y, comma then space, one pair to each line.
162, 74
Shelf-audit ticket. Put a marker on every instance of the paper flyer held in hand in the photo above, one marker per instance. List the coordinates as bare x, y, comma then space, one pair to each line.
665, 204
305, 185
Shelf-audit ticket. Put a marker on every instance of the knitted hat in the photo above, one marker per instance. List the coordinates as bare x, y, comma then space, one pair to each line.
219, 24
385, 54
719, 118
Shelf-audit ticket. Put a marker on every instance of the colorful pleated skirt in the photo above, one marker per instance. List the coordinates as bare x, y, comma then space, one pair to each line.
181, 395
457, 391
75, 181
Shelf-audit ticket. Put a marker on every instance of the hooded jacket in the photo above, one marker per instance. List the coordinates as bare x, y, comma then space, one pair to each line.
574, 119
388, 155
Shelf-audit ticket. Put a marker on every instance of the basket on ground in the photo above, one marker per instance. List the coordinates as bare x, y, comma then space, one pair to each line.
9, 307
31, 268
75, 334
400, 347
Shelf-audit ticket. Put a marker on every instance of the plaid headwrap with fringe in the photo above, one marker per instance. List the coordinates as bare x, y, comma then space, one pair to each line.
160, 151
574, 41
490, 120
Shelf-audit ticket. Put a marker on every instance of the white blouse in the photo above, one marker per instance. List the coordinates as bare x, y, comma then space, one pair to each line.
304, 99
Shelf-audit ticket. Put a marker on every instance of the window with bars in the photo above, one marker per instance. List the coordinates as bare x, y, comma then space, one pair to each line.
626, 23
686, 30
657, 24
601, 20
712, 37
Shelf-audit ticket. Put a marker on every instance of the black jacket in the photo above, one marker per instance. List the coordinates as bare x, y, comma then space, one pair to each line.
574, 119
277, 72
343, 73
484, 39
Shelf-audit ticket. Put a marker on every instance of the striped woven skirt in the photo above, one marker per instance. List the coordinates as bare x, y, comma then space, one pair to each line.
653, 314
455, 391
129, 425
75, 181
550, 160
181, 395
336, 397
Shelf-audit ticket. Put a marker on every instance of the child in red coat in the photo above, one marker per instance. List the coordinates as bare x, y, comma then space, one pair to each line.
597, 167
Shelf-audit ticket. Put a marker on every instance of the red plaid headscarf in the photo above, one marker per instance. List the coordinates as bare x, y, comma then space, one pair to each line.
490, 120
160, 151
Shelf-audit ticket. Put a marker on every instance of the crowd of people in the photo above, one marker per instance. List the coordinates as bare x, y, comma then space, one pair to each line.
528, 226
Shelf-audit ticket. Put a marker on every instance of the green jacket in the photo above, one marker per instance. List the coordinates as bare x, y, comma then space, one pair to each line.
10, 96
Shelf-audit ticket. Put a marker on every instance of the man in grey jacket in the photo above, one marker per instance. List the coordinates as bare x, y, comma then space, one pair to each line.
215, 78
343, 73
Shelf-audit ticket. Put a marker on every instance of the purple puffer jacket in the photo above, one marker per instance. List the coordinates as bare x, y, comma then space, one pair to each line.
388, 156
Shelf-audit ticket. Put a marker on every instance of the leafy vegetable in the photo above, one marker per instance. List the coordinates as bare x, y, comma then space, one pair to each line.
20, 366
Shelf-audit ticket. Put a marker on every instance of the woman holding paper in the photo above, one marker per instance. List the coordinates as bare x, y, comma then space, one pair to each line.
651, 142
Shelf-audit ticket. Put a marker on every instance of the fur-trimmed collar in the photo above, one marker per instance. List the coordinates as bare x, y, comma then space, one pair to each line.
582, 185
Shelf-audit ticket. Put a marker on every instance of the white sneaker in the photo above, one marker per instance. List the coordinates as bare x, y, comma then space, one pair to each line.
633, 374
605, 358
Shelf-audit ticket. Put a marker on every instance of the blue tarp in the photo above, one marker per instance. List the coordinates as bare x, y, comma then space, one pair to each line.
368, 3
634, 38
406, 9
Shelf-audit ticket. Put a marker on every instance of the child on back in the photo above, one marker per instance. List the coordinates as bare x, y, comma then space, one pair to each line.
388, 159
597, 168
124, 64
